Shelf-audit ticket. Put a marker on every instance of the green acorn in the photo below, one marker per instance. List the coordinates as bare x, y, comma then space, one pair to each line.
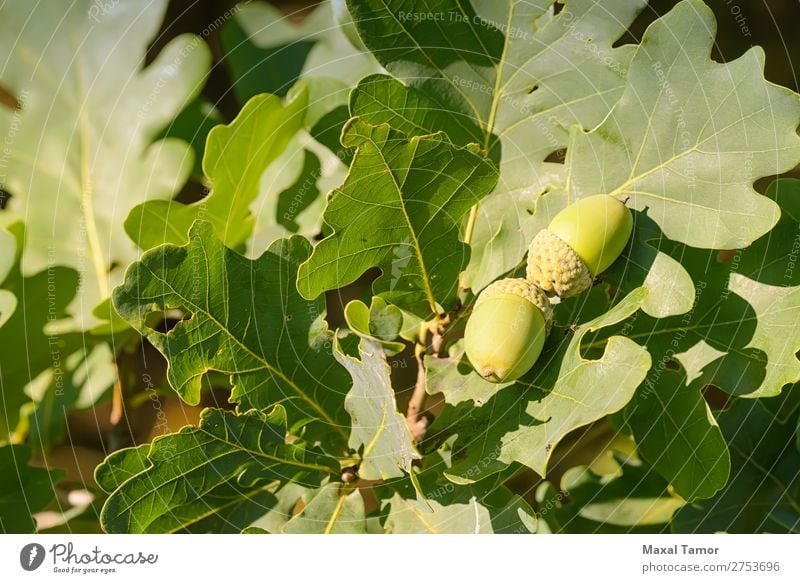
507, 329
581, 242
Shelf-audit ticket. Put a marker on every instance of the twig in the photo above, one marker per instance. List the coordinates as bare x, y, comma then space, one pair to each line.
116, 399
418, 424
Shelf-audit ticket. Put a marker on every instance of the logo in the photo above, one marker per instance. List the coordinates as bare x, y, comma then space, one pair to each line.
31, 556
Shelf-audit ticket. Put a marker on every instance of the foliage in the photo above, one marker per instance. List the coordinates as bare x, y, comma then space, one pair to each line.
351, 217
25, 489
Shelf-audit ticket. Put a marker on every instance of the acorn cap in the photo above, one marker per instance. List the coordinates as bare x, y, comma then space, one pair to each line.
554, 266
524, 288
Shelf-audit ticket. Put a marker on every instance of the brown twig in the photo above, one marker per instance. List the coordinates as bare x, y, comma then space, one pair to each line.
417, 424
116, 400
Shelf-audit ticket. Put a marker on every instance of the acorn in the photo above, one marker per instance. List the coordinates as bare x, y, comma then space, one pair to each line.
507, 329
581, 242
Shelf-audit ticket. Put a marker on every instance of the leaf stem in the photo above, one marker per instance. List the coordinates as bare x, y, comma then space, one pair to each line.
468, 231
117, 407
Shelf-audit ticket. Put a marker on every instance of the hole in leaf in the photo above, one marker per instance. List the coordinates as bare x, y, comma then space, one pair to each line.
558, 7
192, 191
165, 320
557, 156
533, 88
726, 255
8, 100
5, 196
672, 365
216, 392
716, 398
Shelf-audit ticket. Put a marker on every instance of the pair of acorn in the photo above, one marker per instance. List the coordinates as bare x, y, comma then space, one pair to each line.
512, 317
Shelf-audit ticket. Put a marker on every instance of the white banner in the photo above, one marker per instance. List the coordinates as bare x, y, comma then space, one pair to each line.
307, 558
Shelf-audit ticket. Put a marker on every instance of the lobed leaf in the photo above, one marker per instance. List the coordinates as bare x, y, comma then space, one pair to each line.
378, 431
244, 319
333, 510
514, 73
524, 421
25, 489
83, 84
416, 191
677, 434
236, 156
217, 477
763, 494
689, 136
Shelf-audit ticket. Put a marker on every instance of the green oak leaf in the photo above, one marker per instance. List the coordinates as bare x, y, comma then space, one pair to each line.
458, 515
330, 55
446, 508
637, 500
418, 190
382, 99
236, 156
244, 319
28, 349
24, 490
120, 466
670, 289
689, 136
515, 73
379, 432
451, 375
524, 421
676, 433
216, 477
740, 333
102, 117
379, 323
334, 509
287, 499
8, 255
763, 494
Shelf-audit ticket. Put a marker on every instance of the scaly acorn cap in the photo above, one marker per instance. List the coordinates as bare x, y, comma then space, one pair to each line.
524, 288
554, 267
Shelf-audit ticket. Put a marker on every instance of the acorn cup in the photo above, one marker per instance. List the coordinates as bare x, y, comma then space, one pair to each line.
581, 242
507, 329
